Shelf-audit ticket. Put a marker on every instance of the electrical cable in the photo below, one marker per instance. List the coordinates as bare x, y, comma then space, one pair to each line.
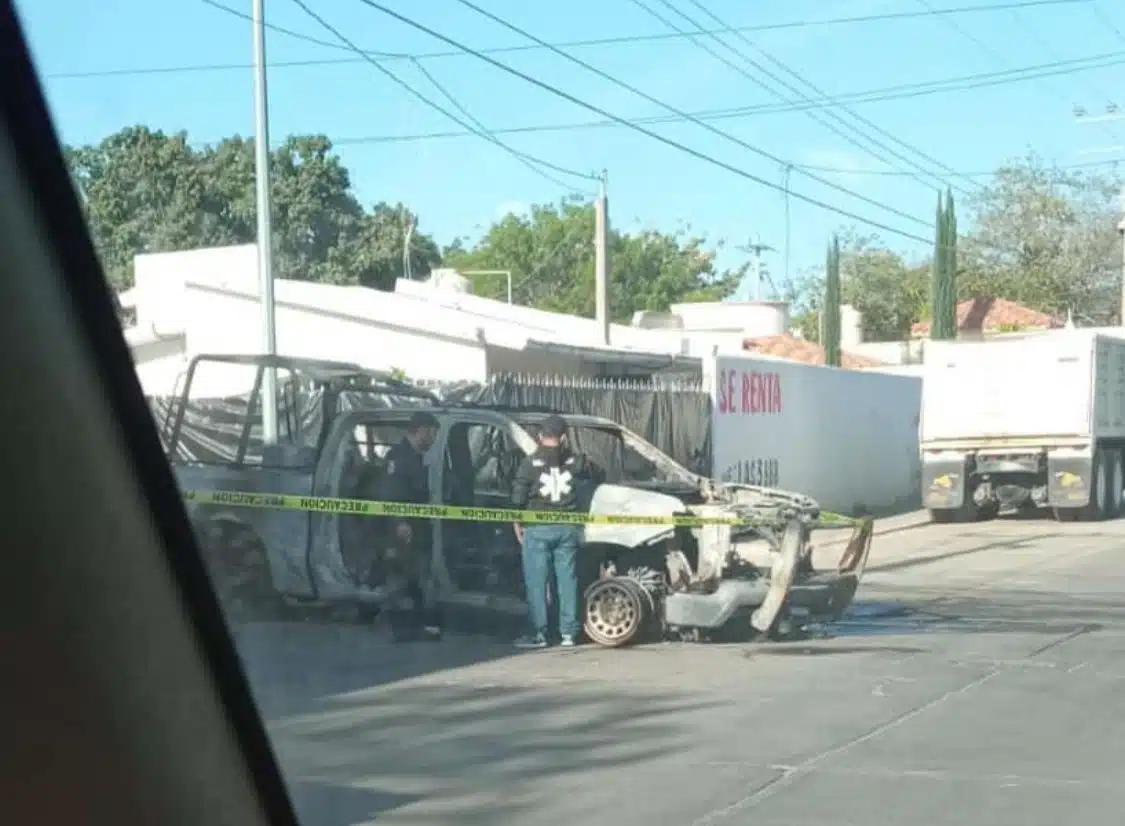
634, 90
703, 156
886, 93
531, 161
980, 44
829, 120
822, 95
592, 42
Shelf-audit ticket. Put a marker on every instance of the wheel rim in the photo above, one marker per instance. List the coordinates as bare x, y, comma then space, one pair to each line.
614, 612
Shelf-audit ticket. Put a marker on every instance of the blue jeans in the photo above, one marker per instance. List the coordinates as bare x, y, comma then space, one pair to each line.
544, 547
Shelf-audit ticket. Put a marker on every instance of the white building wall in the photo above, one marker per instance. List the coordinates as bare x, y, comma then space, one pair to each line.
234, 322
848, 438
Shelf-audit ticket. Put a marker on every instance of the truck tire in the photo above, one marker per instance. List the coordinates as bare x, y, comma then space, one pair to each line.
1116, 484
969, 511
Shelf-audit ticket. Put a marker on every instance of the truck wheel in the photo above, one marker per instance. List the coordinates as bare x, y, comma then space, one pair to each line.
1100, 482
236, 559
969, 511
1117, 484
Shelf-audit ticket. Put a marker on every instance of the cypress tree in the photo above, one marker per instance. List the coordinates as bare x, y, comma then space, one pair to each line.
831, 312
943, 299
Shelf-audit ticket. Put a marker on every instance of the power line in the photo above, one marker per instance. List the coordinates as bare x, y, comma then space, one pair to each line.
662, 104
1049, 52
838, 125
640, 129
898, 92
976, 41
532, 162
823, 95
590, 42
1104, 19
982, 174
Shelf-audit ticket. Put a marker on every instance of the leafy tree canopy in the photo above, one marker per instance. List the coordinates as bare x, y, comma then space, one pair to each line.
1039, 235
149, 191
550, 253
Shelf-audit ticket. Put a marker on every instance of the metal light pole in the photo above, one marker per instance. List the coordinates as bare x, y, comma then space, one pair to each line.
601, 261
265, 246
506, 273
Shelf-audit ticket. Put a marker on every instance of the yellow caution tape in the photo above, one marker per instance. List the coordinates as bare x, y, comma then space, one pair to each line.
460, 513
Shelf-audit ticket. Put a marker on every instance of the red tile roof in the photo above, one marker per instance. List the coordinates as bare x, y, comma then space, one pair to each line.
992, 314
807, 352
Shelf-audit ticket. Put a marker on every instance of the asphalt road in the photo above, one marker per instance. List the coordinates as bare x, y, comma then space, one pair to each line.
980, 681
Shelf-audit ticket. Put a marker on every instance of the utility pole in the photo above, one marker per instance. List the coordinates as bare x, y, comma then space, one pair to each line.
265, 245
754, 276
601, 261
1112, 113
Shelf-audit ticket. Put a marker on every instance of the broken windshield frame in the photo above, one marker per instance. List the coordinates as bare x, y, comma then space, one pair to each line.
609, 446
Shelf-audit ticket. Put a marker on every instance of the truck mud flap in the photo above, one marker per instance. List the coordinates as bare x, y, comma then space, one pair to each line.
943, 483
781, 579
1069, 480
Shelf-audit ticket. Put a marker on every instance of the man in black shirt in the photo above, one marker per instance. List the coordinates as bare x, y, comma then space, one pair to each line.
550, 480
407, 481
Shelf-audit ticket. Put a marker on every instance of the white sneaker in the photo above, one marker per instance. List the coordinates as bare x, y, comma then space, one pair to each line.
568, 641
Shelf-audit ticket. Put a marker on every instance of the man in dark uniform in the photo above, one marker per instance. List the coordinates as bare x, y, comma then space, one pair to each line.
408, 540
551, 479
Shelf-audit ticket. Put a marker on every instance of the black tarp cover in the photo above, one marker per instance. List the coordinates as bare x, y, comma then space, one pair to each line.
673, 416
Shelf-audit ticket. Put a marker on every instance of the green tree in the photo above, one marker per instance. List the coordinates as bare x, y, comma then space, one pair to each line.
943, 296
1046, 238
550, 253
890, 293
147, 191
831, 313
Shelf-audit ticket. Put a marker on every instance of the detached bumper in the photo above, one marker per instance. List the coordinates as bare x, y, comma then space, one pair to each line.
820, 597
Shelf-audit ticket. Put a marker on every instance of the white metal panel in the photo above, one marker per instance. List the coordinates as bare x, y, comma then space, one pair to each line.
1109, 386
848, 438
1034, 387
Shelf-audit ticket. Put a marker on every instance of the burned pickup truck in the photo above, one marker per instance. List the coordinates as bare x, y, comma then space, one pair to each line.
747, 569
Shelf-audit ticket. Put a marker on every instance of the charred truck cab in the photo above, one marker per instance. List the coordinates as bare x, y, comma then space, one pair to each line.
337, 424
1024, 423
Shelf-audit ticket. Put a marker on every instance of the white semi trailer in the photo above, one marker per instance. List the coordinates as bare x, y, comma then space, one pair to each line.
1024, 423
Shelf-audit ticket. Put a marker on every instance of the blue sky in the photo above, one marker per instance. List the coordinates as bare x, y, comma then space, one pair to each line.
460, 185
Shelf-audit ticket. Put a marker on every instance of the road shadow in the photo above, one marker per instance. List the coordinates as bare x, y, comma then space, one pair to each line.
925, 611
918, 561
471, 753
293, 666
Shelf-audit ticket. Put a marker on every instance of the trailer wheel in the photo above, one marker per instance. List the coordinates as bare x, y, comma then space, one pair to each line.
969, 511
1117, 484
1098, 507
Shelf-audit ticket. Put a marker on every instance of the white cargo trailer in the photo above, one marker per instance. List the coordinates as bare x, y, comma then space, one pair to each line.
1022, 423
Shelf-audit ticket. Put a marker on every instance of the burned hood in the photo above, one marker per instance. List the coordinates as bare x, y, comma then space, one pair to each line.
744, 498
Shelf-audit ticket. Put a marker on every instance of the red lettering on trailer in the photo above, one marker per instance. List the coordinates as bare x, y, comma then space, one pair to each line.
749, 392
